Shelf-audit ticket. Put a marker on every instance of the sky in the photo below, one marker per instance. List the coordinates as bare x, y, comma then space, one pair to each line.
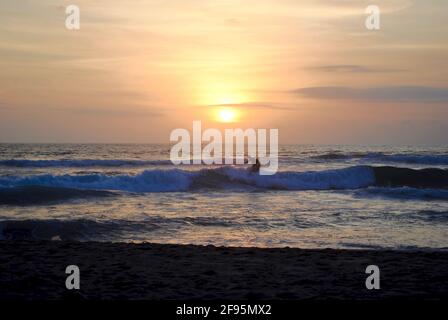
138, 69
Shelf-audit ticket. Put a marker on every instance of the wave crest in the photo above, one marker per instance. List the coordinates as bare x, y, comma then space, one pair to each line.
225, 178
221, 178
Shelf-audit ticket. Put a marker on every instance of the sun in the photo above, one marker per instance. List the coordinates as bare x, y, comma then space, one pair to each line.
227, 115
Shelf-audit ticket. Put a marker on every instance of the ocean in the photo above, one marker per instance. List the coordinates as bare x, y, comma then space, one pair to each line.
322, 197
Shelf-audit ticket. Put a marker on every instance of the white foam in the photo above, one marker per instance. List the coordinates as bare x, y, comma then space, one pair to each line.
180, 180
348, 178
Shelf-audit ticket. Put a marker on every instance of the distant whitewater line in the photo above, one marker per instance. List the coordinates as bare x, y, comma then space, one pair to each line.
441, 159
81, 163
88, 163
362, 157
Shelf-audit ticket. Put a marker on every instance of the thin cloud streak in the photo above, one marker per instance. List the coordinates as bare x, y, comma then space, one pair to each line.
254, 105
123, 112
351, 68
393, 94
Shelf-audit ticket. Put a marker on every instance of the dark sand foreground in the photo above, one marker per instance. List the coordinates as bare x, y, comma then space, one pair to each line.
36, 270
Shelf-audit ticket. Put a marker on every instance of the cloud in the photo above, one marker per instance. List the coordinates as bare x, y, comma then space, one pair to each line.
112, 112
394, 94
254, 105
350, 68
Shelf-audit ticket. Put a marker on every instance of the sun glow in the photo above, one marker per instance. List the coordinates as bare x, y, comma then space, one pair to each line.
227, 115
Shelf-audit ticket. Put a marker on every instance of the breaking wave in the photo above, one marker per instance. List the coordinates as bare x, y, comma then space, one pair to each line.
180, 180
44, 188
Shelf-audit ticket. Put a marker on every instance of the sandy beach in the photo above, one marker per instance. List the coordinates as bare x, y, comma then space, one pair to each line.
36, 271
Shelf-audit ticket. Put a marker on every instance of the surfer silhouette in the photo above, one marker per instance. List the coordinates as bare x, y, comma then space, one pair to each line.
255, 167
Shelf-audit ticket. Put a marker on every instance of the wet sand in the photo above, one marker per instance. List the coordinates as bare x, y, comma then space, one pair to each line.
36, 270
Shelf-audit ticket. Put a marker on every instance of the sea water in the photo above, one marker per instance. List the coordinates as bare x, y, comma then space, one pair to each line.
321, 197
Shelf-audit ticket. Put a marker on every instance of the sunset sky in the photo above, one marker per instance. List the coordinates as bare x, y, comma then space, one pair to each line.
139, 68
